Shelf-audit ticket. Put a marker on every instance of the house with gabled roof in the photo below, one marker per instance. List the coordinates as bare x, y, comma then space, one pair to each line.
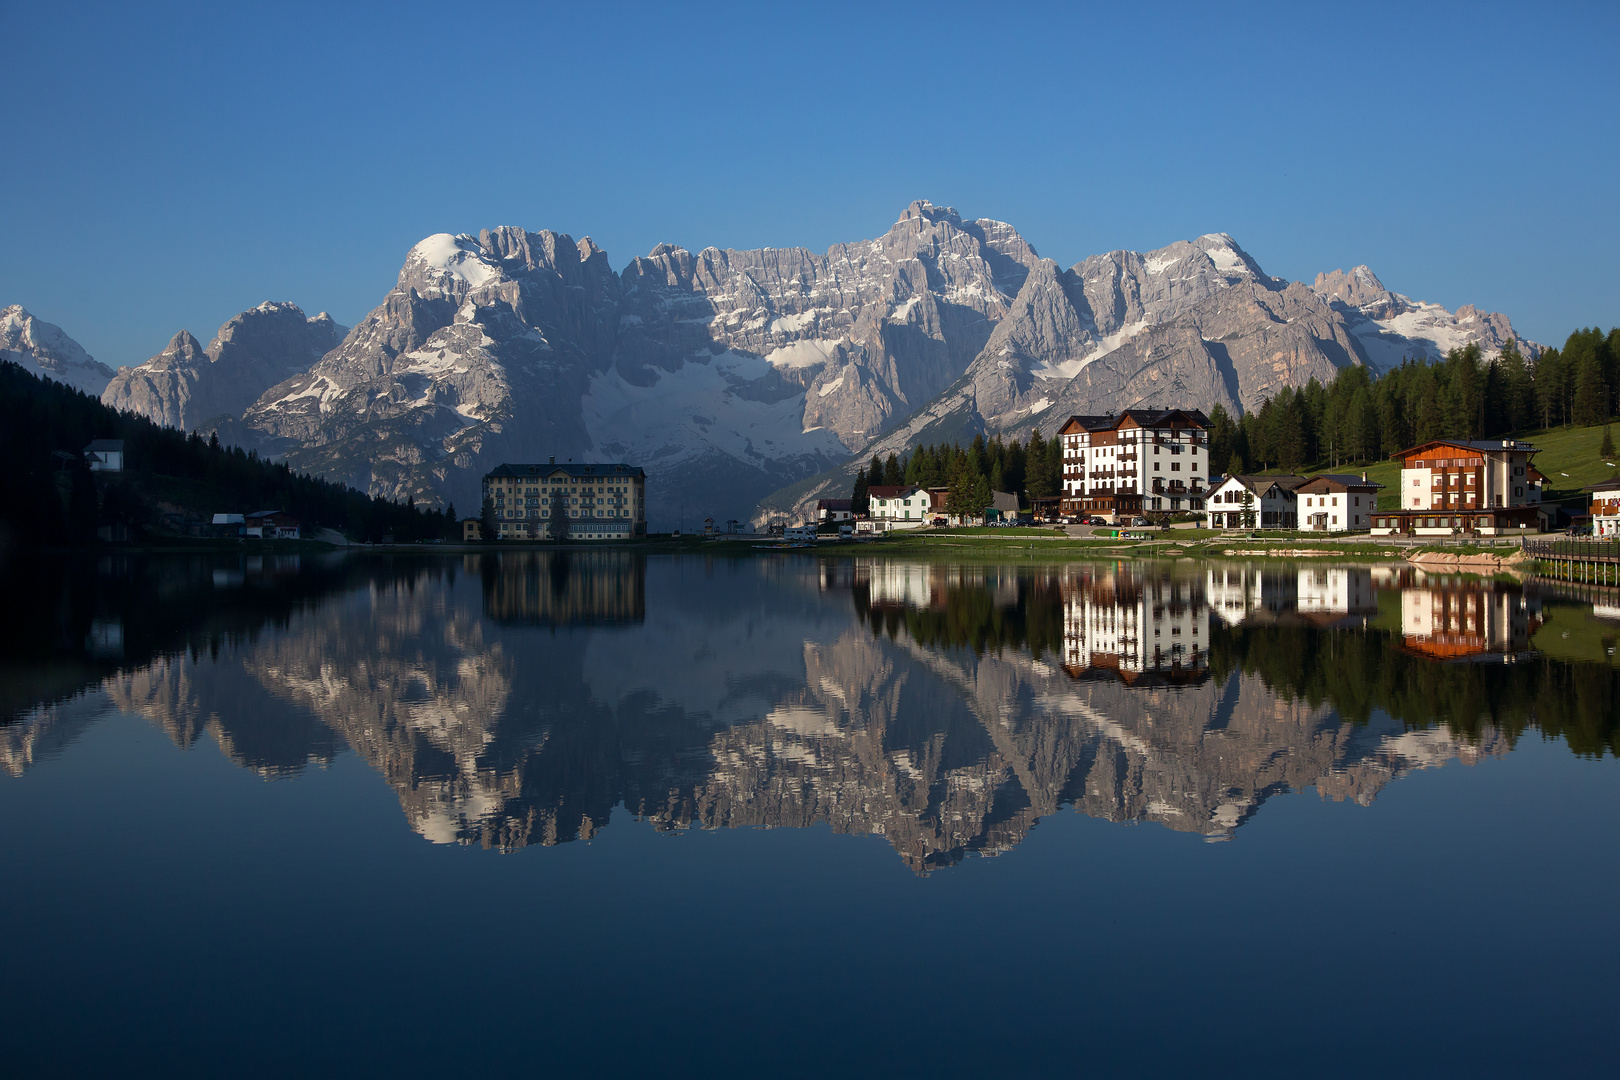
1335, 502
1254, 502
902, 506
1484, 486
105, 455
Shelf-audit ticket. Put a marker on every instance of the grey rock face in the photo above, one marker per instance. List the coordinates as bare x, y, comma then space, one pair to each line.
186, 385
163, 388
1197, 323
724, 373
1390, 327
42, 348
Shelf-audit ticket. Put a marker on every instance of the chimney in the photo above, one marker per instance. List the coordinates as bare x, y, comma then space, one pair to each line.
1364, 477
554, 461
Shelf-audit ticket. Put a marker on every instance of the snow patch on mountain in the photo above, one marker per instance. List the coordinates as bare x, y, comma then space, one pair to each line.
1068, 369
698, 408
458, 257
810, 352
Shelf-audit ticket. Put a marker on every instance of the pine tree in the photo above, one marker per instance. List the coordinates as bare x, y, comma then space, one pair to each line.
1035, 467
560, 525
859, 500
1591, 396
1518, 390
1606, 451
1223, 435
916, 469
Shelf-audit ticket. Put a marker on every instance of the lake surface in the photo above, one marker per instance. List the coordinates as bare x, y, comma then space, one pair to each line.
600, 813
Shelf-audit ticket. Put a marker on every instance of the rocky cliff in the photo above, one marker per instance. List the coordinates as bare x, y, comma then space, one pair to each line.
42, 348
187, 385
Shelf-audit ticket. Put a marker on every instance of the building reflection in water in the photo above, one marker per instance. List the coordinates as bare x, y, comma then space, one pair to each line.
563, 587
1469, 619
946, 709
1139, 627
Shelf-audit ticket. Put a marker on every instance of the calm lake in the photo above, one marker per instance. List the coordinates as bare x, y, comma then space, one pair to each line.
599, 813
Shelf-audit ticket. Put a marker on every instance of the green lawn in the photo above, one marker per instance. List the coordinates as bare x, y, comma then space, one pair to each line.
1570, 461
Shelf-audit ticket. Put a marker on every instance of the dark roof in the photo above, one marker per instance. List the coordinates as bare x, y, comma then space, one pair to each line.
1156, 417
1147, 418
98, 446
1088, 423
835, 504
890, 491
1257, 484
1328, 481
1482, 445
577, 470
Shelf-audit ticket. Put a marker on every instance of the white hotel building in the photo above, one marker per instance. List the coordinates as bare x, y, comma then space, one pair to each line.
1140, 461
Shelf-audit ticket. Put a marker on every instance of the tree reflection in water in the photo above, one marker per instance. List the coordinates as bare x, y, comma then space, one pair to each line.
517, 698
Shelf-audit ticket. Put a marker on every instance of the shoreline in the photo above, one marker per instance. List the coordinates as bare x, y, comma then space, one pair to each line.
1020, 543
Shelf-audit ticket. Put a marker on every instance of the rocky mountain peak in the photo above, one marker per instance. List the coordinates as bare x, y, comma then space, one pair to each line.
46, 350
186, 385
923, 210
1360, 288
183, 348
448, 265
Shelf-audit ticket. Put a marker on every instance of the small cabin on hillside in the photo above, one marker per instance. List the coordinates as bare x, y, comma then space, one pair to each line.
105, 455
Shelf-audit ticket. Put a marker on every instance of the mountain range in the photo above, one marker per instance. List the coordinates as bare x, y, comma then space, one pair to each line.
732, 375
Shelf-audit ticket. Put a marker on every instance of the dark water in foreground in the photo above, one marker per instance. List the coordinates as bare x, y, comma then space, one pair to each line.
531, 814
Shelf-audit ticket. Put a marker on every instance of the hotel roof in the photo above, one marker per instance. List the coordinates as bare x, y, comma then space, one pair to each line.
576, 470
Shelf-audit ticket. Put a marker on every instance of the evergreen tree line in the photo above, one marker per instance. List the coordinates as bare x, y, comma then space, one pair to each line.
1031, 470
52, 501
1356, 418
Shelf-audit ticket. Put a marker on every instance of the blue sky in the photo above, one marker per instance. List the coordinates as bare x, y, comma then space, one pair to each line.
170, 167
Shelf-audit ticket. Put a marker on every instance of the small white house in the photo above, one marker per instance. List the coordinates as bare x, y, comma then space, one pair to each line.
835, 510
105, 455
1337, 503
1271, 503
900, 507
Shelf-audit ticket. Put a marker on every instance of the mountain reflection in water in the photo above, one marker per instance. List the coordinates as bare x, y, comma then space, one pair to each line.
517, 698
